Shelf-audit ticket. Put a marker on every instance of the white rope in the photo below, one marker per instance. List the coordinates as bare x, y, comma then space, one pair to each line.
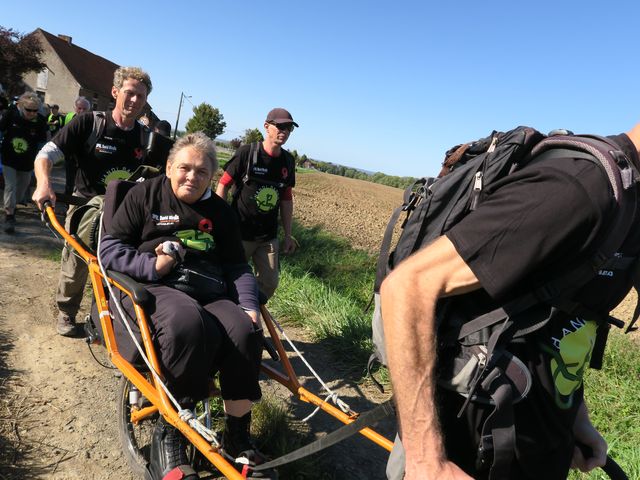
333, 396
185, 414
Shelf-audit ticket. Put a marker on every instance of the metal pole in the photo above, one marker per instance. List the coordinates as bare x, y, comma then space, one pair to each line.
175, 131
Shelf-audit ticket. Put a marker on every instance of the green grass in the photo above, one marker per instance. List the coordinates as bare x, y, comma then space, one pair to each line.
325, 287
223, 157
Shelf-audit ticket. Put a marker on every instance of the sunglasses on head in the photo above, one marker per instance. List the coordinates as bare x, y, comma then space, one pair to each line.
284, 127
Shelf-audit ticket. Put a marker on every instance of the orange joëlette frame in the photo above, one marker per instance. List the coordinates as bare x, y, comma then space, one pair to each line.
157, 397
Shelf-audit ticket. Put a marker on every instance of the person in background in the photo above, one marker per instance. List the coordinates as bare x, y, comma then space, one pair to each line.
24, 132
4, 108
55, 119
119, 150
267, 192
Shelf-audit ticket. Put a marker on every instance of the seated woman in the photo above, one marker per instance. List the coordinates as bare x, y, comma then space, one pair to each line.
183, 241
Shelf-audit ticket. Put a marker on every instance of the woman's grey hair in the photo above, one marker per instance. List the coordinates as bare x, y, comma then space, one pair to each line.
123, 73
201, 143
29, 99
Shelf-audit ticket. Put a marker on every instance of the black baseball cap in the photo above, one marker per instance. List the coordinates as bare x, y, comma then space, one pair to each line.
280, 115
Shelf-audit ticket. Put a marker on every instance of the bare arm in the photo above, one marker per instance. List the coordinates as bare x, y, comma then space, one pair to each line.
44, 190
586, 434
286, 217
408, 300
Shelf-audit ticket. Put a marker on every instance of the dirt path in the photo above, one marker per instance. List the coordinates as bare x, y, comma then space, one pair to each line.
57, 405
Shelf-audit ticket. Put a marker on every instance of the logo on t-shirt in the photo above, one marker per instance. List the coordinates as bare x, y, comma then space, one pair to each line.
201, 241
20, 145
106, 148
266, 198
115, 174
165, 220
570, 355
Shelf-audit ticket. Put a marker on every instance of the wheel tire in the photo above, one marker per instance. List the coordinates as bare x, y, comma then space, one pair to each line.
135, 439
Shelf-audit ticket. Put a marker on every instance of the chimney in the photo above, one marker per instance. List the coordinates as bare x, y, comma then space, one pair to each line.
66, 38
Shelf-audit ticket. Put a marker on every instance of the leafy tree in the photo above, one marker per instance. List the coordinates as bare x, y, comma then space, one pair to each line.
206, 119
252, 135
19, 55
302, 159
235, 143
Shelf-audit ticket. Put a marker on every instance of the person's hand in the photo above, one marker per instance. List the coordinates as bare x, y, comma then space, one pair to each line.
586, 434
164, 262
289, 245
42, 193
255, 318
446, 471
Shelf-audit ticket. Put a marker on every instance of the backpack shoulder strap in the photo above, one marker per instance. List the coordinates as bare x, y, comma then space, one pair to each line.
412, 195
145, 140
252, 161
622, 175
99, 125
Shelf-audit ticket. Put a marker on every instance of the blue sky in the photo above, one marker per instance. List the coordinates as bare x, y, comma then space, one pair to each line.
381, 86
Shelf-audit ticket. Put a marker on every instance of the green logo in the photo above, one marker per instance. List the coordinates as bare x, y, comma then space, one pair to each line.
197, 240
20, 145
267, 199
115, 174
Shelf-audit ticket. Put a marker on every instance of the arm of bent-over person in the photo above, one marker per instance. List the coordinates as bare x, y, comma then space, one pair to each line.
587, 435
408, 300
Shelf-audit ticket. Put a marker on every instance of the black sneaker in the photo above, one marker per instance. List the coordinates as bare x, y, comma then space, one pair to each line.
10, 224
169, 454
239, 449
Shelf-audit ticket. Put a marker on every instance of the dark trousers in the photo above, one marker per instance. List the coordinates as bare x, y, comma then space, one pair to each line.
193, 341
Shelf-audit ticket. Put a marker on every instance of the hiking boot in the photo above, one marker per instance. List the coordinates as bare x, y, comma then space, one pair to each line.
66, 325
238, 445
10, 224
168, 458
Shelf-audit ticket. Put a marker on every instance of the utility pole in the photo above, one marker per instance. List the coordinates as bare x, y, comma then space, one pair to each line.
182, 97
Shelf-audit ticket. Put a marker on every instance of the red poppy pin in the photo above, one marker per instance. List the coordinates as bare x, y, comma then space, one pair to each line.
205, 225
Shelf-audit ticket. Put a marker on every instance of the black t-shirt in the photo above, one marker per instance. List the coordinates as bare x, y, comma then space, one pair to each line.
22, 139
258, 202
151, 214
535, 224
116, 155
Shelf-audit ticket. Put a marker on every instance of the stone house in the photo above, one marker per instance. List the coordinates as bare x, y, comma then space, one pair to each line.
71, 72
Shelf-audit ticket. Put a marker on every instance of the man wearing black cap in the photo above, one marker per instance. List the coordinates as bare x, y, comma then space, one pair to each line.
263, 174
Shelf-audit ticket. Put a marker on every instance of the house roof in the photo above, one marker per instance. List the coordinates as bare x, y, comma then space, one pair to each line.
92, 71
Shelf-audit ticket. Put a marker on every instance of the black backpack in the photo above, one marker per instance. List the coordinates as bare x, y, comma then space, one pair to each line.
483, 370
